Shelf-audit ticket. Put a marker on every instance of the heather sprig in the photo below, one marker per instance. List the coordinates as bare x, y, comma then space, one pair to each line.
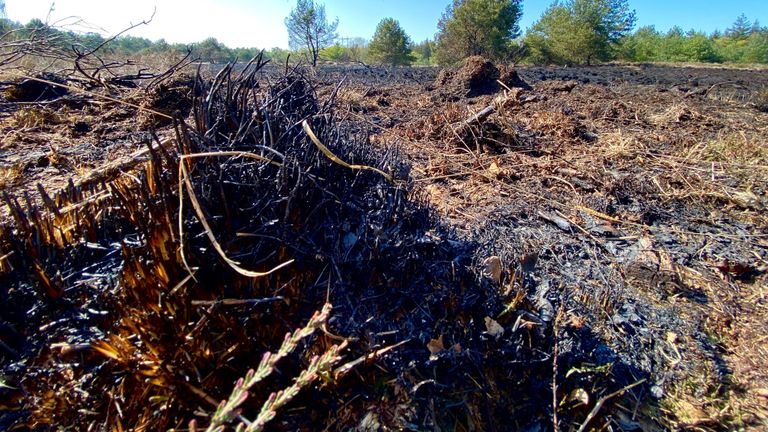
269, 410
229, 409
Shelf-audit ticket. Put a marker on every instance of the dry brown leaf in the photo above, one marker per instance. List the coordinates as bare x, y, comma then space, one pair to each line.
436, 345
495, 170
492, 268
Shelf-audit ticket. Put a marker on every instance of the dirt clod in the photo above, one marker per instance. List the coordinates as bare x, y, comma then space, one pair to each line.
172, 98
32, 90
478, 76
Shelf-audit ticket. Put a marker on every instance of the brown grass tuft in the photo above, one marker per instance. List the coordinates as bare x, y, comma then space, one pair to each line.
10, 176
34, 117
761, 100
620, 145
733, 148
678, 113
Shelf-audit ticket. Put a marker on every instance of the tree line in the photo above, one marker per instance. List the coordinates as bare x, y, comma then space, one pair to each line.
569, 32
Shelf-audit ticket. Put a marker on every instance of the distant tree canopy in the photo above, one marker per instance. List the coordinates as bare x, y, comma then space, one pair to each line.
580, 31
59, 43
477, 27
347, 50
390, 45
741, 43
423, 52
569, 32
309, 29
335, 53
647, 44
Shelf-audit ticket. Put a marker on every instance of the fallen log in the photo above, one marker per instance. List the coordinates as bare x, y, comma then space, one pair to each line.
463, 129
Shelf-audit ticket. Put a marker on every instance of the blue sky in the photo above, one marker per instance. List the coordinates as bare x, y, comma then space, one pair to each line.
419, 17
259, 23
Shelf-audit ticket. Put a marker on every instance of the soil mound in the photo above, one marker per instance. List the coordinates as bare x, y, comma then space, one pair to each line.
478, 76
172, 98
509, 76
32, 90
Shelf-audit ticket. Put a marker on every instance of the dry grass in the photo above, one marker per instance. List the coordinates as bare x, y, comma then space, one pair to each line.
554, 123
733, 148
10, 176
357, 100
619, 144
674, 114
34, 117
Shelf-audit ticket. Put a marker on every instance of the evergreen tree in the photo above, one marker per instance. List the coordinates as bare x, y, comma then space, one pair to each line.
642, 46
581, 31
390, 45
423, 52
699, 48
477, 27
756, 50
741, 28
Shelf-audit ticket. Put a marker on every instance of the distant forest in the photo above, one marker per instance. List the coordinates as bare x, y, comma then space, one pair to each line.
743, 42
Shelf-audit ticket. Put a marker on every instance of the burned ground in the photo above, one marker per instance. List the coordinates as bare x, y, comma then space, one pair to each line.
639, 190
597, 231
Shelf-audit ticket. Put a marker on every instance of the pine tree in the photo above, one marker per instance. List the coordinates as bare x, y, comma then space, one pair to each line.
581, 31
390, 45
477, 27
309, 29
741, 28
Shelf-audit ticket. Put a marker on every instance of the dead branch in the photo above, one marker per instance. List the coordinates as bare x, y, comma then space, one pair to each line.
83, 56
478, 118
592, 414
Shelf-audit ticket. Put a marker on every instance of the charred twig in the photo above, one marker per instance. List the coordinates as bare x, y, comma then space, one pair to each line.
98, 95
346, 368
560, 222
555, 354
592, 414
120, 166
236, 302
480, 116
43, 42
8, 350
81, 56
181, 64
586, 233
474, 154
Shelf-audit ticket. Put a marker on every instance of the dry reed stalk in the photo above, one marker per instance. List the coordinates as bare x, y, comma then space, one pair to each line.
184, 180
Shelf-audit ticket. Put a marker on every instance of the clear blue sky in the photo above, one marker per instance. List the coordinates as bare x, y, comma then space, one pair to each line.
259, 23
419, 17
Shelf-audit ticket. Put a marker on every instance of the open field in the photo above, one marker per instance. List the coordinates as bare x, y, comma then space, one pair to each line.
537, 248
